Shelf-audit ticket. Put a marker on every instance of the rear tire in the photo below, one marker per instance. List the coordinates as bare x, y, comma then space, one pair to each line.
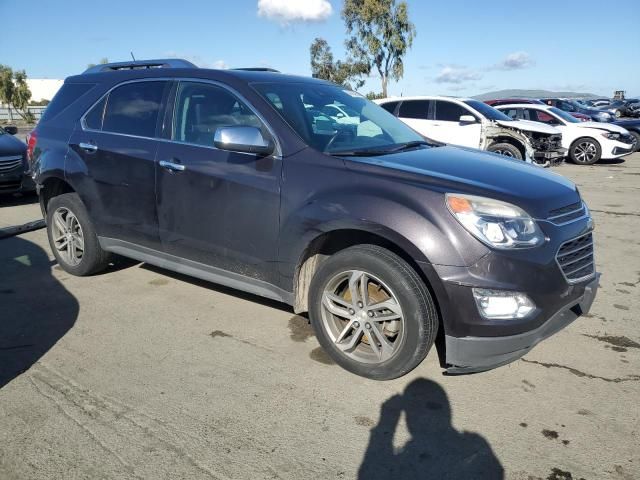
637, 137
585, 151
505, 149
72, 237
348, 322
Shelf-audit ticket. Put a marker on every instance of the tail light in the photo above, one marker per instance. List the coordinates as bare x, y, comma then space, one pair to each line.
31, 145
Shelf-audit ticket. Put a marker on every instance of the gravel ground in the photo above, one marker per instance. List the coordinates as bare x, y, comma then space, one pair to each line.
141, 373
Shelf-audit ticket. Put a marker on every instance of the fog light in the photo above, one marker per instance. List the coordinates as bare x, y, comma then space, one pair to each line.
502, 304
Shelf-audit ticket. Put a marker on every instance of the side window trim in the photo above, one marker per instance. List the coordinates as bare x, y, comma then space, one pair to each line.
171, 96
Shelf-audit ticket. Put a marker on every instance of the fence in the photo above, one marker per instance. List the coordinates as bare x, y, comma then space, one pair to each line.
11, 115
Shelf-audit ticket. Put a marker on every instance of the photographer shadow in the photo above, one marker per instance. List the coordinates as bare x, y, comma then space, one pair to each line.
36, 310
436, 450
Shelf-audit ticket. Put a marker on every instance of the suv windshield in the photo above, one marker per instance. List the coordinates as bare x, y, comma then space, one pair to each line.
335, 120
567, 117
487, 111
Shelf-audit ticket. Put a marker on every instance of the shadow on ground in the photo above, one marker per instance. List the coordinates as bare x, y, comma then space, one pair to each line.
35, 309
17, 200
435, 451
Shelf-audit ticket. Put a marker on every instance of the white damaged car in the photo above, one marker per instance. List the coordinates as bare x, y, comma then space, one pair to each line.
470, 123
587, 142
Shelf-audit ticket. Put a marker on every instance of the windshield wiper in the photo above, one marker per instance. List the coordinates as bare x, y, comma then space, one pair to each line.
359, 153
408, 145
373, 152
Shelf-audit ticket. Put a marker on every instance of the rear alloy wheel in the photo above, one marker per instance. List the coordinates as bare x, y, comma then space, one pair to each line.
372, 313
585, 151
505, 149
72, 237
68, 239
618, 114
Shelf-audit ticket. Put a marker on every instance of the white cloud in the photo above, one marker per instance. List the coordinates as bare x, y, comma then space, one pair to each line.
288, 11
456, 74
515, 61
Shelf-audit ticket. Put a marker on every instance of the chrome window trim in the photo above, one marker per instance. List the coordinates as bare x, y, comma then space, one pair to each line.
278, 150
586, 277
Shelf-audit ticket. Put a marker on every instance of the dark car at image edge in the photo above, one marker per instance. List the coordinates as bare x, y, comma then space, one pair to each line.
392, 245
14, 171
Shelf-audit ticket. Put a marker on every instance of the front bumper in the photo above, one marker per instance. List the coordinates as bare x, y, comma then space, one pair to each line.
553, 156
476, 354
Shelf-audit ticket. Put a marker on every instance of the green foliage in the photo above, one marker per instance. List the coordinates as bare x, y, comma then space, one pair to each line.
375, 95
39, 103
347, 73
103, 61
14, 90
380, 35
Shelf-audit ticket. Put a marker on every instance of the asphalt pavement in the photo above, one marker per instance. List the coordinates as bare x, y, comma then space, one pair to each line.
142, 373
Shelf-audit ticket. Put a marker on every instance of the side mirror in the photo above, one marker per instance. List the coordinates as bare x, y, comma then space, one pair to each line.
243, 139
467, 119
11, 129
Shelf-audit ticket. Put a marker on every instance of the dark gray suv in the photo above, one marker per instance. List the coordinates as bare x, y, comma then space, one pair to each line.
303, 191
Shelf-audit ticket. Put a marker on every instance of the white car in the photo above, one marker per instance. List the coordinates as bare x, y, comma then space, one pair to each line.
587, 142
470, 123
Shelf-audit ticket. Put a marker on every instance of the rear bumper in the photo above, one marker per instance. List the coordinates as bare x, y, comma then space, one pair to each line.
476, 354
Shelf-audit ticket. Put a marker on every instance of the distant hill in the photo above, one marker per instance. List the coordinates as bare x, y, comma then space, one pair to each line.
531, 94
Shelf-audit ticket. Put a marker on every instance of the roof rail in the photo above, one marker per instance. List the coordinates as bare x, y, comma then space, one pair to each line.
141, 64
257, 69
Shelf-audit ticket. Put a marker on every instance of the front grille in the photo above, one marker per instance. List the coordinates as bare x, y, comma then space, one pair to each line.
10, 163
575, 258
563, 215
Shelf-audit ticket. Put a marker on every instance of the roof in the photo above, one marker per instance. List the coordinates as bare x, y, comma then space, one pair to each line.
524, 105
423, 97
169, 68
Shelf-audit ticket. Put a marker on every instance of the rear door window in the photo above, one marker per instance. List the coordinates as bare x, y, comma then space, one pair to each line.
93, 119
417, 109
133, 108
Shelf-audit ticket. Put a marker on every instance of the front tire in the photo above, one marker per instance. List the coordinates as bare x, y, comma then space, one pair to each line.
585, 151
372, 313
72, 237
637, 137
505, 149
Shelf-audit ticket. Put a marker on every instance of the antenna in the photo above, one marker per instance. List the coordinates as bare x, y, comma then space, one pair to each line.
134, 58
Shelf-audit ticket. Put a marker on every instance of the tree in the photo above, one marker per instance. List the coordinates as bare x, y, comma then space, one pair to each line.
14, 91
347, 73
103, 61
380, 35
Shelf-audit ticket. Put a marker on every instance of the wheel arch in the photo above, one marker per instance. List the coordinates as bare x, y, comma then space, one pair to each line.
50, 187
510, 140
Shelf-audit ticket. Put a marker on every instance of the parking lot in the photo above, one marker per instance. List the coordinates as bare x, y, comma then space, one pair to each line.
142, 373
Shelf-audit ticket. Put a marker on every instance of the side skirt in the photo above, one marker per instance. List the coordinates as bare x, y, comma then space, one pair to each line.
195, 269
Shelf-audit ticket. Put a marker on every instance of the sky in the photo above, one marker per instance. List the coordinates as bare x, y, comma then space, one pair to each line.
461, 48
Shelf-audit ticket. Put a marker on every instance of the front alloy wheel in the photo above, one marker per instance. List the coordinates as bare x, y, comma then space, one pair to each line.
585, 152
362, 316
371, 312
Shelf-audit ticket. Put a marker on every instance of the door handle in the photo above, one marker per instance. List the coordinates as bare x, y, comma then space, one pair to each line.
174, 167
88, 147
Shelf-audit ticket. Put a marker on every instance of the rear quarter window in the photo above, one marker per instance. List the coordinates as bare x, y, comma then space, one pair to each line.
68, 94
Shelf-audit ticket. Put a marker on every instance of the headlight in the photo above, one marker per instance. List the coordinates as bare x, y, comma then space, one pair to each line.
495, 223
611, 136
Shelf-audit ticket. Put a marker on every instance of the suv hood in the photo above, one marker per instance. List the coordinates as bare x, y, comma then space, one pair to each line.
606, 127
465, 170
529, 126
